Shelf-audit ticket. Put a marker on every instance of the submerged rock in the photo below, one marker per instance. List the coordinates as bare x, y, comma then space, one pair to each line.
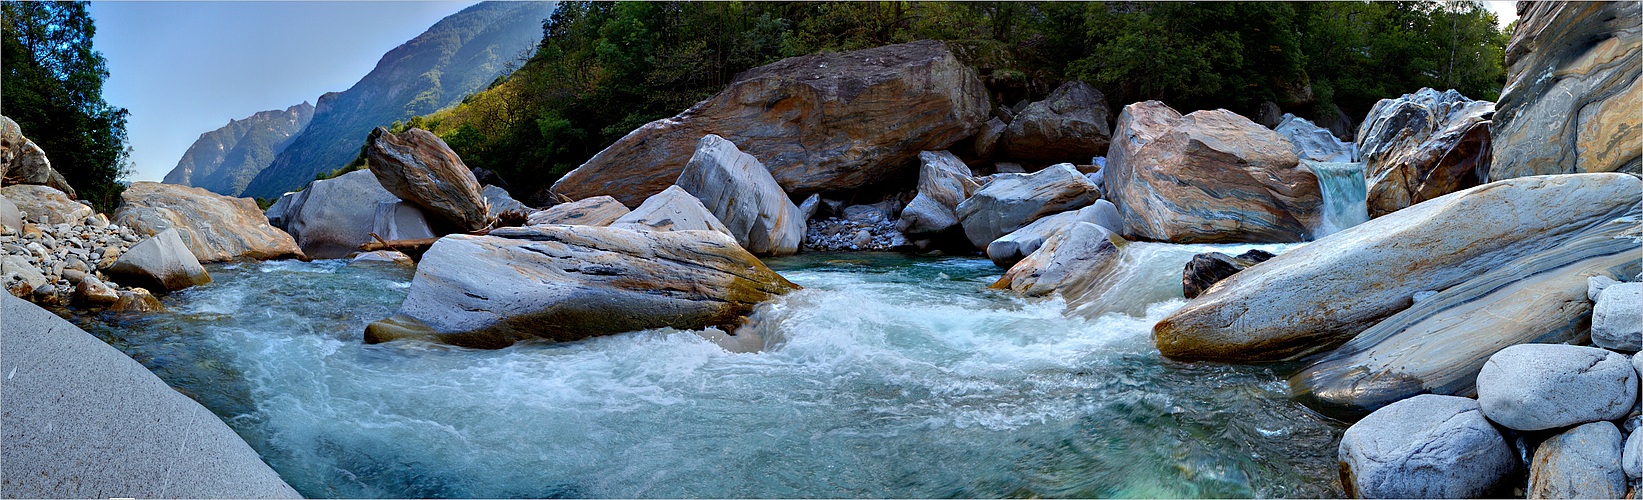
738, 190
1207, 269
416, 166
1427, 446
1008, 203
1531, 387
1617, 319
673, 209
1072, 124
822, 122
1321, 294
595, 211
161, 262
572, 282
1583, 462
216, 228
335, 216
1423, 145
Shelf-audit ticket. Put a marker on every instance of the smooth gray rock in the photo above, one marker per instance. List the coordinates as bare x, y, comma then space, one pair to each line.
944, 178
1428, 446
1073, 123
595, 211
1596, 284
45, 204
400, 220
216, 228
160, 263
1617, 320
82, 420
10, 217
673, 209
501, 201
279, 214
924, 216
336, 216
1531, 387
1107, 216
1009, 202
1070, 263
740, 191
1311, 142
1011, 248
809, 207
1583, 462
1631, 456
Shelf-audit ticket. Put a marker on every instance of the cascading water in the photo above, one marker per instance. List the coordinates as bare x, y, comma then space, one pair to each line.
1345, 195
887, 376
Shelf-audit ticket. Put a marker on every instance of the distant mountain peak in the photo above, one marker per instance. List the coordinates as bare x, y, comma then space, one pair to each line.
224, 160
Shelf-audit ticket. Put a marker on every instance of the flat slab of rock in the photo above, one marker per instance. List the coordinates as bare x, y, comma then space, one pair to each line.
333, 217
595, 211
1439, 344
1423, 145
572, 282
216, 228
1617, 319
416, 166
673, 209
45, 204
1073, 124
823, 122
1207, 177
161, 262
1531, 387
739, 190
82, 420
1321, 294
1009, 202
1583, 462
1428, 446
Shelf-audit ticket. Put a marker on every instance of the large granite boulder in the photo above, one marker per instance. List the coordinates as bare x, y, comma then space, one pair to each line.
1011, 248
1583, 462
1011, 201
216, 228
822, 122
1207, 177
1428, 446
595, 211
673, 209
1073, 124
1421, 146
1617, 319
279, 214
742, 194
944, 181
1311, 142
572, 282
1321, 294
162, 262
1439, 344
46, 204
400, 220
1207, 269
336, 216
23, 160
1068, 263
11, 217
82, 420
1572, 91
416, 166
1531, 387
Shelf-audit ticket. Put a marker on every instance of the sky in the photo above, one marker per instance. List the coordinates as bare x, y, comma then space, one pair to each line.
186, 68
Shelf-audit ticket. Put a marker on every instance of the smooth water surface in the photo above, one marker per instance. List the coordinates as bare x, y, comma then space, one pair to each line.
887, 376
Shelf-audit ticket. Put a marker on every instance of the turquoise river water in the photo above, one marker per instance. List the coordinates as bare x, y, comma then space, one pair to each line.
887, 376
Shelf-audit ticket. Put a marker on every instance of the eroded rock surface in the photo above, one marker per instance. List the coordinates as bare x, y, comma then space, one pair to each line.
416, 166
216, 228
1423, 145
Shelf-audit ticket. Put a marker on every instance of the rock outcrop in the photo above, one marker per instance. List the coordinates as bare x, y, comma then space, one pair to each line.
822, 122
1572, 91
216, 228
595, 211
1428, 446
1207, 269
673, 209
416, 166
46, 204
1321, 294
23, 161
1073, 124
1311, 142
1010, 201
1207, 177
1531, 387
161, 262
1583, 462
1421, 146
738, 190
572, 282
333, 217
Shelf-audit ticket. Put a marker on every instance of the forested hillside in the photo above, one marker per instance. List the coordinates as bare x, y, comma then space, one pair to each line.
604, 69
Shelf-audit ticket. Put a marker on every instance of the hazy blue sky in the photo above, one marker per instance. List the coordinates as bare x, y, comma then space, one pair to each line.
186, 68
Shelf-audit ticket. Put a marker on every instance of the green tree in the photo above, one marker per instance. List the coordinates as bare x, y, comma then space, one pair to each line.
53, 89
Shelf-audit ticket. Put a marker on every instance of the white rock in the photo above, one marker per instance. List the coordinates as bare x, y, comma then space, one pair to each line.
1531, 387
1617, 321
1428, 446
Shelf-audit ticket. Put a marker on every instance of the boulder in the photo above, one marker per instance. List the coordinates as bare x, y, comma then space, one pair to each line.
944, 178
1072, 124
1572, 91
1631, 456
336, 215
400, 220
215, 228
1421, 146
83, 420
416, 166
738, 190
1427, 446
45, 204
1583, 462
1011, 248
823, 122
19, 276
571, 282
1009, 202
1207, 177
383, 257
1321, 294
1207, 269
161, 262
94, 293
23, 160
500, 201
673, 209
1531, 387
136, 301
11, 218
1311, 142
1338, 123
925, 216
1596, 284
279, 214
986, 139
1068, 263
1269, 115
1617, 319
595, 211
1439, 344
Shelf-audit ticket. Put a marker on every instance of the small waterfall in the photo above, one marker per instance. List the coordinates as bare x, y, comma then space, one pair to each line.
1345, 194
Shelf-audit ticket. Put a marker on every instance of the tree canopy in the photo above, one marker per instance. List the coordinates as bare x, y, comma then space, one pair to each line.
52, 83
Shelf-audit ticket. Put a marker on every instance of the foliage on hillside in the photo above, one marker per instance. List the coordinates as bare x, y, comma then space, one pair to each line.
604, 69
53, 84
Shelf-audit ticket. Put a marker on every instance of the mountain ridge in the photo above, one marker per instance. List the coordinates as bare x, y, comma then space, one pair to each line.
225, 159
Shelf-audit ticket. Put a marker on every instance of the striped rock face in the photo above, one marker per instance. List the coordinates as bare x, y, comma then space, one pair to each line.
1421, 146
215, 228
416, 166
1207, 177
595, 211
742, 194
1318, 296
1439, 344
